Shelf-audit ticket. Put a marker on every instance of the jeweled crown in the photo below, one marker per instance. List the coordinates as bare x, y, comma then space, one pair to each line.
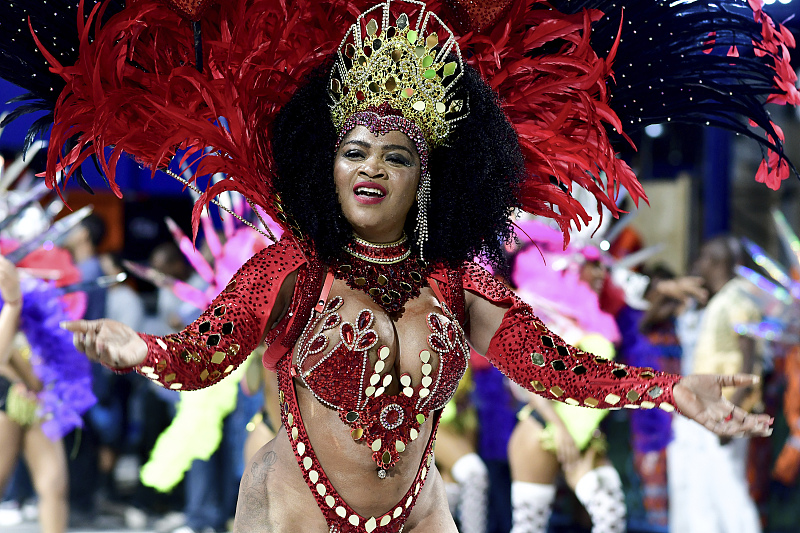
404, 65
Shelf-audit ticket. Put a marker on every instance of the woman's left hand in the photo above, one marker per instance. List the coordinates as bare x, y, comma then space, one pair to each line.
699, 397
23, 391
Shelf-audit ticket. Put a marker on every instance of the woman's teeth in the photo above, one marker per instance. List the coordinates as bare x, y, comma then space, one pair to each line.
366, 191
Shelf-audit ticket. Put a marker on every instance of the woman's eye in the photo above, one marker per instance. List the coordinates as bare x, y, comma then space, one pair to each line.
353, 154
399, 160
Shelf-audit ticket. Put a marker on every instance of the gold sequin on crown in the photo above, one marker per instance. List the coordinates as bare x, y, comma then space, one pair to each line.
407, 67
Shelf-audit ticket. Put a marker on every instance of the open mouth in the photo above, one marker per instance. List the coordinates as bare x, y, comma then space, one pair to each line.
369, 193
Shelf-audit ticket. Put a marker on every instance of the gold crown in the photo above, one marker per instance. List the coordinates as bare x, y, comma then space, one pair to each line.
409, 69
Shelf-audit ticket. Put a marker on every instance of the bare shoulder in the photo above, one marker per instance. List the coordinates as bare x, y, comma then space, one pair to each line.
253, 506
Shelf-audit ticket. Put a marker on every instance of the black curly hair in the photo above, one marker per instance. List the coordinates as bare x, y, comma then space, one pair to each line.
474, 178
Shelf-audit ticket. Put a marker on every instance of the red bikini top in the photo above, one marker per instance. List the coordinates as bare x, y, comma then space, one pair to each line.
333, 361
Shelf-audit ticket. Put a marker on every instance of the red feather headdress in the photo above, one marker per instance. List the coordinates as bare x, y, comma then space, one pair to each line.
135, 89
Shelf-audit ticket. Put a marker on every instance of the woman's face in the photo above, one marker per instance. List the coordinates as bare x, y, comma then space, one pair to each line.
376, 179
594, 274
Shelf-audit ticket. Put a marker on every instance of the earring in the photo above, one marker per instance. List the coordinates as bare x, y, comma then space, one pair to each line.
423, 201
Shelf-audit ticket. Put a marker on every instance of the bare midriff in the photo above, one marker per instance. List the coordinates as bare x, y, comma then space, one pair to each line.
291, 506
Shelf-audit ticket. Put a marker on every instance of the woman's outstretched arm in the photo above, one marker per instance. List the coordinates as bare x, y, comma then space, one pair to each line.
505, 329
214, 344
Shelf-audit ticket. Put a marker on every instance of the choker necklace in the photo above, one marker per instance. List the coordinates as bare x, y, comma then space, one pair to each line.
388, 273
382, 254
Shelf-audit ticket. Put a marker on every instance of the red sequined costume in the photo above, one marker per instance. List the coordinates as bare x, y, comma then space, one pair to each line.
350, 375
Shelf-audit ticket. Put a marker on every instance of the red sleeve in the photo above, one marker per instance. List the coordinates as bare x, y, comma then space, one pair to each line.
228, 331
532, 356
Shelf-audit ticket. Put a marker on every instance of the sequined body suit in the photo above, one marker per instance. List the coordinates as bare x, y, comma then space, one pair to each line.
343, 346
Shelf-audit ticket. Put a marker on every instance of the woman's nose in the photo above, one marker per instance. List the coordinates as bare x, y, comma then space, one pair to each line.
372, 167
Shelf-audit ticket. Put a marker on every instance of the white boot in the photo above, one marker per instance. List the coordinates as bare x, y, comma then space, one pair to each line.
532, 505
600, 492
473, 480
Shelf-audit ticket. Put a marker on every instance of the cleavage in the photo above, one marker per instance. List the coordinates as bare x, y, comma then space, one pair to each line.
384, 384
396, 345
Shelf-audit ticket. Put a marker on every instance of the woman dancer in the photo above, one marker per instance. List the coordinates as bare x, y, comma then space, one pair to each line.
43, 391
392, 167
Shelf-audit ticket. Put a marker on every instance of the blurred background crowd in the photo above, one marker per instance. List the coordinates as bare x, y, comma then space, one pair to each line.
704, 279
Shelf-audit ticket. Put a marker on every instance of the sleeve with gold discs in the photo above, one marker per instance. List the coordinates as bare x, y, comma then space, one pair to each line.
532, 356
228, 331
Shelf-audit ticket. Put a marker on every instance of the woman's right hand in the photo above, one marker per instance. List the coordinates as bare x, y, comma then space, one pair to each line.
566, 449
9, 282
111, 343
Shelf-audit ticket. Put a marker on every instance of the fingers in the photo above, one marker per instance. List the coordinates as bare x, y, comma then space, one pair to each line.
90, 345
78, 326
85, 335
695, 289
566, 450
108, 351
738, 380
570, 455
79, 341
107, 342
739, 423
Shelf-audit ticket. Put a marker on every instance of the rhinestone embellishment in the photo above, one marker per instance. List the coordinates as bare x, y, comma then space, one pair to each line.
392, 416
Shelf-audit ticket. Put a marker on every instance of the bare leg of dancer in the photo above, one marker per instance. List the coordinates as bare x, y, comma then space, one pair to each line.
10, 445
47, 462
533, 474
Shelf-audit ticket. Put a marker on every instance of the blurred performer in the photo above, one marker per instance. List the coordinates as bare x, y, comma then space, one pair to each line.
648, 339
786, 319
495, 409
91, 467
787, 466
464, 472
44, 384
708, 486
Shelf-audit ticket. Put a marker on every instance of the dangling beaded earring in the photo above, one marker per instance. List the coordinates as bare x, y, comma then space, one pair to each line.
423, 202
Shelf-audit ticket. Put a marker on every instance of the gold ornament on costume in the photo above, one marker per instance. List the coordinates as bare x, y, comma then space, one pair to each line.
414, 68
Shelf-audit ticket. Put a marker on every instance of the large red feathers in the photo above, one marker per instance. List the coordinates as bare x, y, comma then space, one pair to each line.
135, 89
558, 105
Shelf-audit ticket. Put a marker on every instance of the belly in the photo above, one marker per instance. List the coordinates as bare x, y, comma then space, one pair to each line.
349, 464
274, 497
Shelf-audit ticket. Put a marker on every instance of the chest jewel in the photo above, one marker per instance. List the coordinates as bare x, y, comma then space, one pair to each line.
389, 273
345, 379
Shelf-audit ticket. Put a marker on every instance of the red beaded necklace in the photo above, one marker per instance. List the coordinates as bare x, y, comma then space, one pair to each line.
389, 273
